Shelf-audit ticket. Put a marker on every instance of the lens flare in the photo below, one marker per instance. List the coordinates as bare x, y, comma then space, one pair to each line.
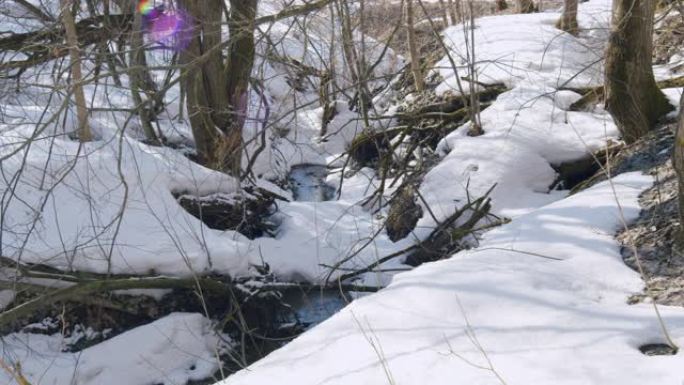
165, 26
167, 30
145, 7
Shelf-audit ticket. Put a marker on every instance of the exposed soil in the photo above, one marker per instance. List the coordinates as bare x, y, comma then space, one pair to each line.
669, 37
653, 235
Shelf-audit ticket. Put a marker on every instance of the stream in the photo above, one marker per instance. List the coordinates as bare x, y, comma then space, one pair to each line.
312, 307
308, 183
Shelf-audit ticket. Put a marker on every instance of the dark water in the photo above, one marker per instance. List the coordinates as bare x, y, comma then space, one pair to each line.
315, 306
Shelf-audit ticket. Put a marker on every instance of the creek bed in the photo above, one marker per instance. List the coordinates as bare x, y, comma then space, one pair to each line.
308, 183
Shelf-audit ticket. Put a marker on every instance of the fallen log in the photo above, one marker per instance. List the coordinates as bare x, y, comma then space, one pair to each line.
44, 287
455, 103
86, 289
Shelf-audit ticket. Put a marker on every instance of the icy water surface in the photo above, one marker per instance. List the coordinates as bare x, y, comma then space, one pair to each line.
308, 183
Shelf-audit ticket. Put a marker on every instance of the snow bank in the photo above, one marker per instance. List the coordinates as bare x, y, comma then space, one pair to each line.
109, 206
173, 350
528, 49
89, 211
529, 128
542, 301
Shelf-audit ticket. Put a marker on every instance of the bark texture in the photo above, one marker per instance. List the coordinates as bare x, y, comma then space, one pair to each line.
445, 12
413, 48
525, 6
568, 20
216, 89
678, 163
140, 78
501, 5
632, 96
454, 11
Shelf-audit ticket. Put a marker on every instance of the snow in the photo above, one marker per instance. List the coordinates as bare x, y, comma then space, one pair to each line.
89, 204
543, 298
527, 49
530, 127
101, 215
172, 350
81, 208
527, 130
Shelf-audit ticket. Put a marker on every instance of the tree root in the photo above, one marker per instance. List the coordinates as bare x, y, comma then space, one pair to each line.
594, 95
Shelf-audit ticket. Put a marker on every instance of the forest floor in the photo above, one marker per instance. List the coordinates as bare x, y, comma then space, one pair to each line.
548, 298
653, 236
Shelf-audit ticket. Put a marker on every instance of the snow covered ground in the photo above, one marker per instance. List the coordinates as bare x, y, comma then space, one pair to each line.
109, 206
173, 350
540, 301
99, 214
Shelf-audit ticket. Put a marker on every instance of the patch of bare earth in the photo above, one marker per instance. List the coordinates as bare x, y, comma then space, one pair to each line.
652, 237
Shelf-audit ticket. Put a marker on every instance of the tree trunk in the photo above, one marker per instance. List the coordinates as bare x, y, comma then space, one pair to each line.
140, 77
413, 48
678, 163
238, 70
501, 5
526, 6
84, 133
358, 70
632, 96
217, 93
206, 95
568, 20
445, 13
454, 11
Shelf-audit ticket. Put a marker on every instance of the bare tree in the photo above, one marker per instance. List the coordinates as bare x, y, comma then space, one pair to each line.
444, 8
84, 133
413, 48
216, 90
632, 96
501, 5
140, 76
454, 11
568, 20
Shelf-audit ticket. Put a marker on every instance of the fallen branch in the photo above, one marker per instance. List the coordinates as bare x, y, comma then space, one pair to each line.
85, 289
438, 243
